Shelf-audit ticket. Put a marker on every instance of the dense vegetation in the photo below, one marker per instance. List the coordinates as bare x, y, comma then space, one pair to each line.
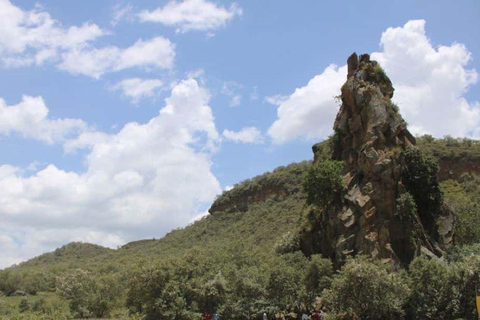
241, 263
322, 181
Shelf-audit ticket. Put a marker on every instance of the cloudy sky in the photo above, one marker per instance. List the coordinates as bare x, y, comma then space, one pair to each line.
122, 120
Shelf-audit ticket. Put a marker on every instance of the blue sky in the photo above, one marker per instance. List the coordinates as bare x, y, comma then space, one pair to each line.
123, 120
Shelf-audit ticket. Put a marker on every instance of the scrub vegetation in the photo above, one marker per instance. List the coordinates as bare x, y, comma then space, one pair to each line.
241, 263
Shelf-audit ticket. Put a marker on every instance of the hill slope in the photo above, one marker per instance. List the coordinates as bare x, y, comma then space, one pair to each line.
259, 211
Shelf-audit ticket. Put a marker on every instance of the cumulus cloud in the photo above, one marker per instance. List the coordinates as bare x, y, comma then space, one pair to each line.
30, 119
137, 89
430, 82
190, 15
308, 112
34, 37
28, 37
245, 135
138, 183
156, 53
430, 85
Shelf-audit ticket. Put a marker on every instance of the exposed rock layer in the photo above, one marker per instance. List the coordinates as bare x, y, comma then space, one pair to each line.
369, 136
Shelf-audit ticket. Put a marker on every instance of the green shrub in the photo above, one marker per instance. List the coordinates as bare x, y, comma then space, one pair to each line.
318, 276
406, 208
322, 181
23, 306
366, 290
419, 175
290, 242
432, 292
464, 199
88, 296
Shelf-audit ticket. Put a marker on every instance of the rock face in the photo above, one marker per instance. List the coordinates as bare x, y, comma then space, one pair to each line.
370, 136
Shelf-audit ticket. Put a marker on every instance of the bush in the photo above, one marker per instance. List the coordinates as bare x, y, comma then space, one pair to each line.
290, 242
88, 296
318, 276
322, 181
406, 208
464, 199
444, 291
365, 290
432, 292
419, 175
23, 306
39, 305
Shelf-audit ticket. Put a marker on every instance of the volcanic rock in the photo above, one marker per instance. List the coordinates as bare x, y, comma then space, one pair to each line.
370, 135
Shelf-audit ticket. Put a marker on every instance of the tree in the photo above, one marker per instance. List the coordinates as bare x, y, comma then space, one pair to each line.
366, 290
322, 181
419, 175
88, 296
318, 276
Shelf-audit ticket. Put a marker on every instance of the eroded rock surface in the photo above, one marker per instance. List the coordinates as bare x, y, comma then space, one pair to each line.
370, 135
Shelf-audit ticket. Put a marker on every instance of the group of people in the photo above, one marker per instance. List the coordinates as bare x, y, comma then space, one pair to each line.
315, 315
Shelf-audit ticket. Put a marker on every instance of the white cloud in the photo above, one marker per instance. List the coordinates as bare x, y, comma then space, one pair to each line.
309, 112
190, 15
139, 183
199, 216
246, 135
137, 89
120, 11
430, 82
28, 37
19, 246
231, 89
30, 119
236, 100
156, 53
430, 86
277, 99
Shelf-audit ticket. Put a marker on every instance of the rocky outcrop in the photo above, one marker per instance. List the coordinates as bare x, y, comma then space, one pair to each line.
369, 216
240, 201
455, 168
283, 182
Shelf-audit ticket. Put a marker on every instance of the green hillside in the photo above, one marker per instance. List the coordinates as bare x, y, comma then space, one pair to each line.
244, 259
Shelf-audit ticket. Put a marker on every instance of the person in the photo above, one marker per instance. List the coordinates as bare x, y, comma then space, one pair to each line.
207, 316
265, 316
215, 316
304, 316
315, 315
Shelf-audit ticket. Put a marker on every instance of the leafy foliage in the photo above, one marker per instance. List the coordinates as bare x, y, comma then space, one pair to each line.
88, 296
419, 175
449, 148
464, 198
442, 291
322, 181
243, 263
366, 290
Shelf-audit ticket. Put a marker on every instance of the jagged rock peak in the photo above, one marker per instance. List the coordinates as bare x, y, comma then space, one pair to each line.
370, 135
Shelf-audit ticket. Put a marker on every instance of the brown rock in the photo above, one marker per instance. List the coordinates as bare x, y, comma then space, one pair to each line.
370, 132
